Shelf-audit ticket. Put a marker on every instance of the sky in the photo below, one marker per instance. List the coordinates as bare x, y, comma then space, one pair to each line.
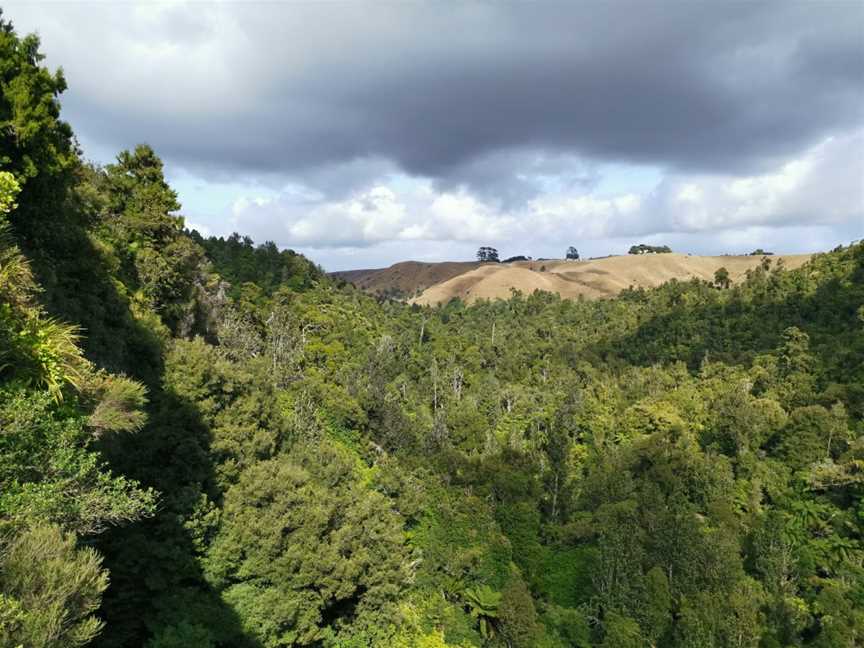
366, 133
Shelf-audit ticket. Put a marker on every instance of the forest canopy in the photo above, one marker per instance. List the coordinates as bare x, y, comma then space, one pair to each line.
206, 442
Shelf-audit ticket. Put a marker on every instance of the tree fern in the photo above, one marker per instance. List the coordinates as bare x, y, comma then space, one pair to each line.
483, 603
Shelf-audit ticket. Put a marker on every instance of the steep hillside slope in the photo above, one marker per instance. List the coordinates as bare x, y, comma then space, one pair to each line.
593, 278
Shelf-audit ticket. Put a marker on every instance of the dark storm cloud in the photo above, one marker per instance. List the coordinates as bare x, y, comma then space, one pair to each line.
510, 177
728, 88
436, 90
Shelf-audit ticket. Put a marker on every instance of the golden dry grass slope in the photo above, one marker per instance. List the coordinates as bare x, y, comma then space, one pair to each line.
595, 278
405, 279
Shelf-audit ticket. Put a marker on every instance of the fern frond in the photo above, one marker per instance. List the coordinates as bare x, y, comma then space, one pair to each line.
17, 284
116, 402
58, 358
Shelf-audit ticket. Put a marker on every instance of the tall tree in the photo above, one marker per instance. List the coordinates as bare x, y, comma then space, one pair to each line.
487, 255
35, 144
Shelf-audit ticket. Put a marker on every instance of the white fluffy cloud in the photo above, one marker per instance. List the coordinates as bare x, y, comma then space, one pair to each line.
812, 192
823, 186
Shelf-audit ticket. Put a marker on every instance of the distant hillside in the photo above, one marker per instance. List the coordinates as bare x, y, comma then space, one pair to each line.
594, 278
438, 283
404, 280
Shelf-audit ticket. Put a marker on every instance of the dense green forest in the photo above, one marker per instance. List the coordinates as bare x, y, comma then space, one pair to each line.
205, 443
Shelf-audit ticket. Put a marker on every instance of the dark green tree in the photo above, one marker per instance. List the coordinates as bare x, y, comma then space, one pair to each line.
487, 255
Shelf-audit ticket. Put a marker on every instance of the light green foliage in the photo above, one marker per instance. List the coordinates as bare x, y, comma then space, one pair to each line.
116, 403
42, 352
483, 604
235, 402
622, 632
658, 604
565, 627
733, 620
48, 473
35, 349
460, 543
16, 278
9, 190
739, 423
50, 589
303, 544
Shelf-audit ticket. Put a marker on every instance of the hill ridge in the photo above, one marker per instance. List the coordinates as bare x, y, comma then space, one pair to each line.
430, 284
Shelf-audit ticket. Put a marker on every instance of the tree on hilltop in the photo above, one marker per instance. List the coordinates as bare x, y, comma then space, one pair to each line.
488, 255
642, 248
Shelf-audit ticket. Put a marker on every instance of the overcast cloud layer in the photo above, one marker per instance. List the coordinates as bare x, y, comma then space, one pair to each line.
363, 133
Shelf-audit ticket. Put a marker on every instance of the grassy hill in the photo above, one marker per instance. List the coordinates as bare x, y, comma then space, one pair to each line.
405, 279
438, 283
